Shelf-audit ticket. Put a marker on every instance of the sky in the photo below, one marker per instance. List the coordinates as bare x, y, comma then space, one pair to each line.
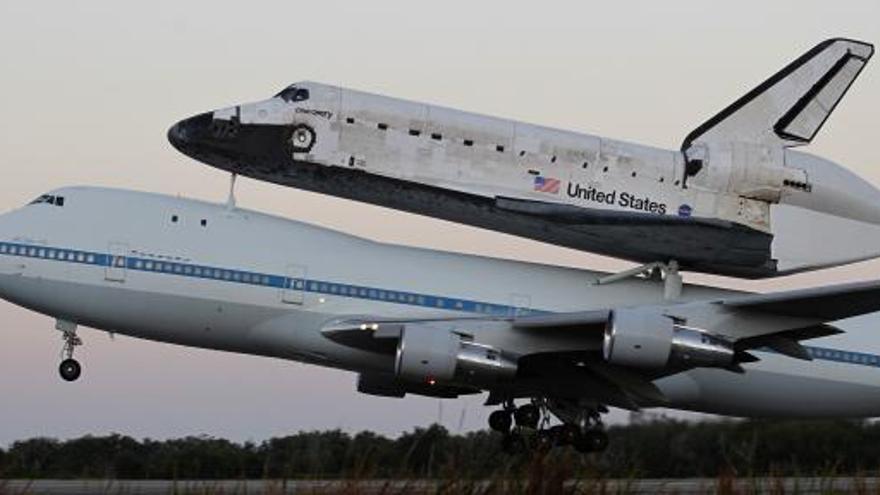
89, 89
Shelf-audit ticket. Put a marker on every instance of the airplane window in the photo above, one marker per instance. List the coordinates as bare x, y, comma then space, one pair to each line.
292, 93
48, 198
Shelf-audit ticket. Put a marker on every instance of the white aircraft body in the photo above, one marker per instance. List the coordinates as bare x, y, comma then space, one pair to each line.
735, 199
429, 322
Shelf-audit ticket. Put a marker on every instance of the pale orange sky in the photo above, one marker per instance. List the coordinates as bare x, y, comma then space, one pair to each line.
90, 88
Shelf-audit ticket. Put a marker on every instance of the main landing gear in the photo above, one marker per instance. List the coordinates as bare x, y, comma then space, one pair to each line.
528, 426
69, 369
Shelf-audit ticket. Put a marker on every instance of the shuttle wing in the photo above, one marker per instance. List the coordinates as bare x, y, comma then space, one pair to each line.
790, 107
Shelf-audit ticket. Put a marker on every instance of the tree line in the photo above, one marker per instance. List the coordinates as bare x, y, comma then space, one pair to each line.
657, 448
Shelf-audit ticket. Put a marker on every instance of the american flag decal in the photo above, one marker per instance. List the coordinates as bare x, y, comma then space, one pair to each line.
547, 185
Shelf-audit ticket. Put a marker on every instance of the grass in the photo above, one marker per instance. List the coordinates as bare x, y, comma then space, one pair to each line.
541, 474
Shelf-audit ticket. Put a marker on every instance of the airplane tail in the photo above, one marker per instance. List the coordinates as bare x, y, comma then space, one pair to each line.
789, 108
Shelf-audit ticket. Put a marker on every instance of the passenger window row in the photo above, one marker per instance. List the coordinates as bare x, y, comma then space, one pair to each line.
849, 357
47, 253
202, 271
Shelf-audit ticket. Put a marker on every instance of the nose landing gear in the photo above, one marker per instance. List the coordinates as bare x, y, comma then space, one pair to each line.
69, 369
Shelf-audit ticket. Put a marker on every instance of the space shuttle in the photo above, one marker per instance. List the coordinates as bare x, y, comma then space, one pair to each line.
735, 199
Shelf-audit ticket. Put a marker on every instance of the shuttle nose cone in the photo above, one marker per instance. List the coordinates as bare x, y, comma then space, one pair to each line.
219, 139
188, 132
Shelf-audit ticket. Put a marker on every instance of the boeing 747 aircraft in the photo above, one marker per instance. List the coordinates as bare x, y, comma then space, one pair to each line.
735, 199
543, 341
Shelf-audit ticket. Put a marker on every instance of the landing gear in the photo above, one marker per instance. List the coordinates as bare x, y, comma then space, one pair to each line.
69, 369
500, 420
527, 416
528, 426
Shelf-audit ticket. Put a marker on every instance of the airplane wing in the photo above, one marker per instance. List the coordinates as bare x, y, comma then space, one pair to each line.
791, 106
567, 352
803, 314
831, 303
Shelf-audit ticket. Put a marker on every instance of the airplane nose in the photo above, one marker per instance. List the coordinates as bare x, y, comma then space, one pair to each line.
187, 132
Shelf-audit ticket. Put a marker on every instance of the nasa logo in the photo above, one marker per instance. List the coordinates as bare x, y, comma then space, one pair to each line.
685, 210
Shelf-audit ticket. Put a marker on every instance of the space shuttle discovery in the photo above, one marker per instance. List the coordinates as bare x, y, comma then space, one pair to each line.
735, 199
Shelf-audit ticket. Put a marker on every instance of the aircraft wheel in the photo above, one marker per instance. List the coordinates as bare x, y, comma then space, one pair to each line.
527, 416
69, 369
500, 421
513, 443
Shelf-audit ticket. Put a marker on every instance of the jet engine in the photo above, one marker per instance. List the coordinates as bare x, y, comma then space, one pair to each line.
432, 353
647, 339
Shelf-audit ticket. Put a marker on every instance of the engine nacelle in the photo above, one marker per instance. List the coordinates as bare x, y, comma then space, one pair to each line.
645, 339
428, 353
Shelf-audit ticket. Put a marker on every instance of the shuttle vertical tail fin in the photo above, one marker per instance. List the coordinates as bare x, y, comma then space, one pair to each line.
789, 108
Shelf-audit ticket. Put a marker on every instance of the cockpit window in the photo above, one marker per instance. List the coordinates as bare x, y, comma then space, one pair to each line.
50, 199
293, 93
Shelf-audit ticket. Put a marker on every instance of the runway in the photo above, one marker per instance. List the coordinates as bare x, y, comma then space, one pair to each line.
801, 486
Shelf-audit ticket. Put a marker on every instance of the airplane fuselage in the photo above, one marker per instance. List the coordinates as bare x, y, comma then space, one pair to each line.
741, 212
203, 275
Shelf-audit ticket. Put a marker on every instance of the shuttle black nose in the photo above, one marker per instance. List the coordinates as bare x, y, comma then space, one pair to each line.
184, 134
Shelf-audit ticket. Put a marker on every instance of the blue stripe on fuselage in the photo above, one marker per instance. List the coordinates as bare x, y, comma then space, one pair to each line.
226, 275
